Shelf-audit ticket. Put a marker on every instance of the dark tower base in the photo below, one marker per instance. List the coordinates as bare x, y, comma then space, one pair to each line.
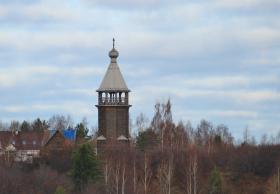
113, 121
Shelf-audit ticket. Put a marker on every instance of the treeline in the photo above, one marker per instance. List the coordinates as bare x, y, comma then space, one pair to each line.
36, 125
163, 157
178, 158
56, 122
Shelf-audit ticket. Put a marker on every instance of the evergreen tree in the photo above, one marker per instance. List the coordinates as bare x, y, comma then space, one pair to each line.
25, 126
85, 166
38, 125
82, 130
146, 139
59, 190
215, 182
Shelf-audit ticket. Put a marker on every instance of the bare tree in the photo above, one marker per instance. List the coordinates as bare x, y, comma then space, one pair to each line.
142, 122
190, 131
264, 139
60, 122
107, 172
146, 173
181, 137
273, 186
3, 126
165, 175
205, 134
123, 178
116, 175
223, 132
14, 126
192, 182
278, 138
157, 119
167, 115
162, 122
134, 176
69, 122
246, 135
85, 122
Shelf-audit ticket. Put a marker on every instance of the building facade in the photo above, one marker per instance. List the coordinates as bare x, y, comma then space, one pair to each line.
59, 139
21, 146
24, 146
113, 103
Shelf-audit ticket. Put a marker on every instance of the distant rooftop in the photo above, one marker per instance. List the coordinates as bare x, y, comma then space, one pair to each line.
69, 134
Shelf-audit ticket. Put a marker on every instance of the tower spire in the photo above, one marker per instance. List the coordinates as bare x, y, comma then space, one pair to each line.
113, 54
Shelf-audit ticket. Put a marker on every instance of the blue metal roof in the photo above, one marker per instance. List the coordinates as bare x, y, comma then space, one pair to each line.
69, 134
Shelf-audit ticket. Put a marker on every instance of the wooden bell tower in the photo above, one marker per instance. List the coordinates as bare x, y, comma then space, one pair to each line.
113, 103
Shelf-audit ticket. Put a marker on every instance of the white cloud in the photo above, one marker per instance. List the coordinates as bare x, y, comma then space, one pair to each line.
43, 11
246, 3
222, 82
82, 71
10, 77
217, 82
235, 113
124, 4
181, 31
38, 11
156, 4
34, 41
222, 114
72, 91
14, 109
259, 36
263, 126
16, 76
239, 96
263, 61
76, 108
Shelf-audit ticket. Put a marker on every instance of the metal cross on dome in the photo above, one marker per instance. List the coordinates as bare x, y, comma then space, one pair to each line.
113, 42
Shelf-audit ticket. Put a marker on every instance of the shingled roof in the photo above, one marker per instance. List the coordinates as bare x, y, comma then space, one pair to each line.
22, 140
113, 79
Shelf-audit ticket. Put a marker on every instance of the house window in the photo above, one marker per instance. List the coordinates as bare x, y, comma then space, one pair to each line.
14, 142
34, 142
23, 142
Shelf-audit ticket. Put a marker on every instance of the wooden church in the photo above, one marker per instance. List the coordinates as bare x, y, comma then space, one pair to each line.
113, 104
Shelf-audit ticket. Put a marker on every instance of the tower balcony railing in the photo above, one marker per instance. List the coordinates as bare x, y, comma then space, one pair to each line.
113, 101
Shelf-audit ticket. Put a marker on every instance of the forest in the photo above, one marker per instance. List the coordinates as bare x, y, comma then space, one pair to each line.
163, 157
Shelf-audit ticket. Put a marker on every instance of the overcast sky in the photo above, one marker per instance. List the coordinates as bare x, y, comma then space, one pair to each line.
215, 59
